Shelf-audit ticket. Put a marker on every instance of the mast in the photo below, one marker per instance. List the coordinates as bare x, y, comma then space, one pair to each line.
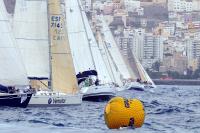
49, 42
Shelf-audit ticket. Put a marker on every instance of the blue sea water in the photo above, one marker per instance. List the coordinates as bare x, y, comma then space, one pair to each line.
169, 109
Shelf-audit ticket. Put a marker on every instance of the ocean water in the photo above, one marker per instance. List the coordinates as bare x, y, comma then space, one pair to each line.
169, 109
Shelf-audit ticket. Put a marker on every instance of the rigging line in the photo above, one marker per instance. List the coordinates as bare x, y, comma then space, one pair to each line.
107, 55
111, 56
43, 83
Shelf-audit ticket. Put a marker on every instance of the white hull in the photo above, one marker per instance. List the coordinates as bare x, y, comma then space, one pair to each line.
49, 99
133, 86
101, 91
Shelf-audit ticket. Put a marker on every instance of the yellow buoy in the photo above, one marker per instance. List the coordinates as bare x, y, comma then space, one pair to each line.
121, 112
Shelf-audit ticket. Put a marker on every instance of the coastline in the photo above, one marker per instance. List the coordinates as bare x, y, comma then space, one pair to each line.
177, 82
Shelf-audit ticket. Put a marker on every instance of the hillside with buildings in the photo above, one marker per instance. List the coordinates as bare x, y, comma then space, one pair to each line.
163, 34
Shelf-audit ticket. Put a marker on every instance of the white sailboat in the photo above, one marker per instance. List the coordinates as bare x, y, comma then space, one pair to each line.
13, 75
110, 64
45, 49
114, 50
147, 81
117, 58
78, 27
125, 70
142, 80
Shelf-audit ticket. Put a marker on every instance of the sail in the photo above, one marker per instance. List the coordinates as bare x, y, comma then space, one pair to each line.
31, 32
12, 70
77, 37
110, 65
139, 70
142, 73
63, 72
148, 79
114, 50
98, 59
79, 28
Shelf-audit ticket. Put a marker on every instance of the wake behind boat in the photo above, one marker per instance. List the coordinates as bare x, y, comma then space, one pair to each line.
92, 90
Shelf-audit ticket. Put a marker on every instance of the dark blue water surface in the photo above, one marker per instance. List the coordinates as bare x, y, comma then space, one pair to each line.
169, 109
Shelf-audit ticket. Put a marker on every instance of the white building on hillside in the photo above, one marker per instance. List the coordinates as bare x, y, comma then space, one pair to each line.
180, 5
131, 5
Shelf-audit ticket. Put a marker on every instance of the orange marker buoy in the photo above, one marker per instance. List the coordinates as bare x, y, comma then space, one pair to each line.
121, 112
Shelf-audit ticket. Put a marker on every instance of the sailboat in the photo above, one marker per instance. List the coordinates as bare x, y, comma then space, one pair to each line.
13, 78
124, 68
142, 79
78, 27
147, 81
116, 56
114, 50
45, 50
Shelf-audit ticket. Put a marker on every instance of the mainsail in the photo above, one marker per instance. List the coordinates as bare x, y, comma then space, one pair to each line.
114, 50
31, 32
77, 37
63, 72
81, 35
12, 72
110, 64
142, 73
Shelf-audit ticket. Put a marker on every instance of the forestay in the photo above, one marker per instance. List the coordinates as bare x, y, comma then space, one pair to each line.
12, 70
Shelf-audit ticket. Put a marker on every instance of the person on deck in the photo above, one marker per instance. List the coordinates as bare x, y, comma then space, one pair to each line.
97, 82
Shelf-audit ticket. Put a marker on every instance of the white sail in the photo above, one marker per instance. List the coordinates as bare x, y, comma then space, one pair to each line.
81, 35
98, 60
142, 73
110, 65
114, 50
78, 40
12, 70
31, 31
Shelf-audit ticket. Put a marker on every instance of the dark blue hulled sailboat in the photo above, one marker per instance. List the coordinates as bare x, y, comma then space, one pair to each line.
12, 97
13, 78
